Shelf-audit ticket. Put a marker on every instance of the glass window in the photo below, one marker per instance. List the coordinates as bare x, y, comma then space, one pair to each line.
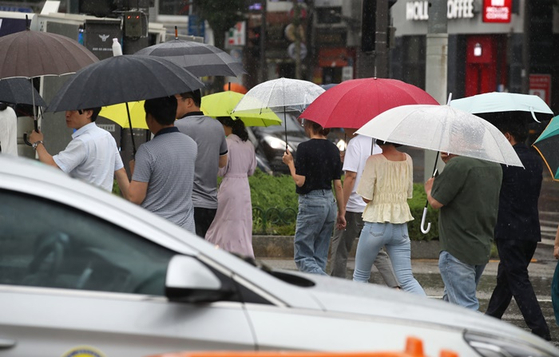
43, 243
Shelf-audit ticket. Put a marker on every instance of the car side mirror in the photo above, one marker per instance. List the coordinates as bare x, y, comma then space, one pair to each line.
188, 280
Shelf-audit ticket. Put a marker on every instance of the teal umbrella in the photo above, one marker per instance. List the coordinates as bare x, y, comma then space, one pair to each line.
547, 145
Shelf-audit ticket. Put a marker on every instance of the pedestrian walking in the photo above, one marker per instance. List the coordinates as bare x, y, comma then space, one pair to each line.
386, 185
517, 232
212, 155
163, 169
8, 130
358, 150
231, 228
318, 165
92, 155
467, 195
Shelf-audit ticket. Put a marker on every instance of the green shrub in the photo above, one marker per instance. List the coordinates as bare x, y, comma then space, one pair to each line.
274, 203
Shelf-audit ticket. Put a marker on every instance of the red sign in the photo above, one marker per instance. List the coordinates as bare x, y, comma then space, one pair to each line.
497, 10
540, 85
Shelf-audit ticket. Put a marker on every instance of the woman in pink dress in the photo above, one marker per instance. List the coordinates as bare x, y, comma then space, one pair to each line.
231, 228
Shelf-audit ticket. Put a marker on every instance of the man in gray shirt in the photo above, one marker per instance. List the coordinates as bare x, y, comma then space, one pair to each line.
163, 172
209, 135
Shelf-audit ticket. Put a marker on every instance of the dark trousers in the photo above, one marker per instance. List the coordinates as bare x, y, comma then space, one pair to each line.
513, 280
203, 218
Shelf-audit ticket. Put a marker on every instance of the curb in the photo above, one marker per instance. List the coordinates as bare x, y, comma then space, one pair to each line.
268, 246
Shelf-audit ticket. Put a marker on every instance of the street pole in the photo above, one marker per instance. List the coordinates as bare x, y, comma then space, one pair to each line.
263, 66
296, 23
436, 66
381, 47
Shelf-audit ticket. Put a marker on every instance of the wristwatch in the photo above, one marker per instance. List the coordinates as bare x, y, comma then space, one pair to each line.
36, 143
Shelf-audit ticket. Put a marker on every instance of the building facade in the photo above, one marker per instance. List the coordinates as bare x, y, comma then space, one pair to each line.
493, 45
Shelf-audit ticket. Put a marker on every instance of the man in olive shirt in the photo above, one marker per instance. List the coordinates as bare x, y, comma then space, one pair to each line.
467, 194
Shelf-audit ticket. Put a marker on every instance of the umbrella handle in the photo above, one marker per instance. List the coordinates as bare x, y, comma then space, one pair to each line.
423, 229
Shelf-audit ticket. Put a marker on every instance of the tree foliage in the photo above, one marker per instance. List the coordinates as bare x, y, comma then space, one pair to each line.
221, 16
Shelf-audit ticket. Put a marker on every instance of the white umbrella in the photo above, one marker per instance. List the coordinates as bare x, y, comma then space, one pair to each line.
442, 128
489, 104
279, 95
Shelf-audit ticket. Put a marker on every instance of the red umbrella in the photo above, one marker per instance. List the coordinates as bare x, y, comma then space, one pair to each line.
353, 103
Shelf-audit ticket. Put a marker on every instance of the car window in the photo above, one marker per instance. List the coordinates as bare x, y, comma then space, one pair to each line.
293, 126
47, 244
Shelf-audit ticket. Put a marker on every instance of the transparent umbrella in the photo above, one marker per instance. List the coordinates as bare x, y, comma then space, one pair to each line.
280, 95
444, 129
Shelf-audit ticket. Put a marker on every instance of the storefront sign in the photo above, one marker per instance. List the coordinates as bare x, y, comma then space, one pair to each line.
456, 9
497, 10
236, 34
540, 85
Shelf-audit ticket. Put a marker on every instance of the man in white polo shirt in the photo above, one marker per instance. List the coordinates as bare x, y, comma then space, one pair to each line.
92, 155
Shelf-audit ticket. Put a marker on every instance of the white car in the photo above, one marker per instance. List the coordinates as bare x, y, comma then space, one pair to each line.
86, 273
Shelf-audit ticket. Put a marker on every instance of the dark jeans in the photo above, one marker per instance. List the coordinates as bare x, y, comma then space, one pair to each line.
513, 280
203, 218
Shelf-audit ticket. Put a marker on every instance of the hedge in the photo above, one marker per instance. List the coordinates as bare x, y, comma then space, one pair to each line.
274, 203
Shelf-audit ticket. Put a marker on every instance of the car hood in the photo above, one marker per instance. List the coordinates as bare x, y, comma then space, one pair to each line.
344, 296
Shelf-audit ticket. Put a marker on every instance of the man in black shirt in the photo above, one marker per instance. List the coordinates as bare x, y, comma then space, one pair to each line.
518, 231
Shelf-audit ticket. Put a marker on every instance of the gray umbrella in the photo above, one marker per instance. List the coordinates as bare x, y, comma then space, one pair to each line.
35, 53
123, 79
31, 54
20, 91
198, 58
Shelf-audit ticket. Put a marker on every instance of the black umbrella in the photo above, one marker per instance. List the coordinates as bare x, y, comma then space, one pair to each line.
20, 91
198, 58
122, 79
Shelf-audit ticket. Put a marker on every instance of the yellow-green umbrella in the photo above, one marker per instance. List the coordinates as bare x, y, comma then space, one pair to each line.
118, 114
222, 104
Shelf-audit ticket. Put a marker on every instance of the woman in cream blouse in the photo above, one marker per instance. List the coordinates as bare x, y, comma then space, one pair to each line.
386, 185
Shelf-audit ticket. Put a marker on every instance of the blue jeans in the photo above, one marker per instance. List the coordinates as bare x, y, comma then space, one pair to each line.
396, 240
460, 280
315, 222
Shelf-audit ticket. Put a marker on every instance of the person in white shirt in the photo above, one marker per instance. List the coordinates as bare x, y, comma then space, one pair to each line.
92, 155
8, 130
358, 150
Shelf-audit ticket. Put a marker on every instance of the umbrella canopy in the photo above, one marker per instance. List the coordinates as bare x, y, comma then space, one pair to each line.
123, 79
442, 128
547, 145
119, 114
198, 58
282, 94
279, 95
222, 104
493, 105
19, 91
35, 53
353, 103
